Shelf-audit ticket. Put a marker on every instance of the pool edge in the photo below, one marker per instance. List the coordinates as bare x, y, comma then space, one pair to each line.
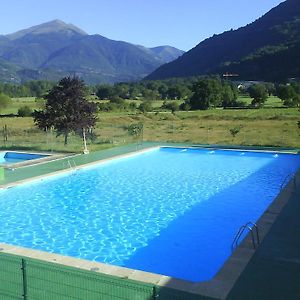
219, 287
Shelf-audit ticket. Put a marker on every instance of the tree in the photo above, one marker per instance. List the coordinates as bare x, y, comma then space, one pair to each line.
163, 91
288, 94
4, 101
145, 106
148, 94
175, 92
270, 88
67, 110
172, 106
104, 91
206, 93
228, 96
259, 94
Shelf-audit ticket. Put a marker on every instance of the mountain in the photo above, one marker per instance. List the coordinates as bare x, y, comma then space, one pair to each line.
166, 53
55, 26
267, 49
55, 49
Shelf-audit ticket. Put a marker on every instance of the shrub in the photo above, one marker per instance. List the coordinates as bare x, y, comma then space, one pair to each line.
145, 106
25, 111
172, 106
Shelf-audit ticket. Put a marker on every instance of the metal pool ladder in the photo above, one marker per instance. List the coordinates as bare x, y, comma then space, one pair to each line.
287, 179
70, 164
250, 226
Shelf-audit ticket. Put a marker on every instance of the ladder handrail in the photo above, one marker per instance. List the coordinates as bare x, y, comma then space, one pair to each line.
250, 226
286, 180
68, 164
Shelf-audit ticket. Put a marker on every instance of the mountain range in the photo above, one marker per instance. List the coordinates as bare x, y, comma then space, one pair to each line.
267, 49
55, 49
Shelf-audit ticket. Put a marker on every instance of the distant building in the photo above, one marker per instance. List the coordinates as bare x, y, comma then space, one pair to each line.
230, 75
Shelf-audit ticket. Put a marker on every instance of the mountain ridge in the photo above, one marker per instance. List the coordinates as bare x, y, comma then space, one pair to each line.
223, 53
54, 49
51, 26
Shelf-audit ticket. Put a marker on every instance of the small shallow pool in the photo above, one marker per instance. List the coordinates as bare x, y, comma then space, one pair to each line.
169, 211
10, 157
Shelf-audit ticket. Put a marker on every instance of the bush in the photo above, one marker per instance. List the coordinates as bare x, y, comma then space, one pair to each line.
117, 100
25, 111
4, 101
185, 106
172, 106
145, 106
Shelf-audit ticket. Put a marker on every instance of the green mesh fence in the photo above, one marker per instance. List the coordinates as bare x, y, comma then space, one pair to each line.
38, 280
11, 280
25, 137
31, 279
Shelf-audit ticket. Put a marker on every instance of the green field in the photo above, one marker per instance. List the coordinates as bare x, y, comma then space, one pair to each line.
269, 126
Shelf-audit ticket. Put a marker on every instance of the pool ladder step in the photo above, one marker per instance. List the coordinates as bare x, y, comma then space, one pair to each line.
253, 229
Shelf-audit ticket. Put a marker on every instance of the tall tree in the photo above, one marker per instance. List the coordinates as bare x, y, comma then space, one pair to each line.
288, 94
104, 91
4, 101
67, 109
207, 93
259, 94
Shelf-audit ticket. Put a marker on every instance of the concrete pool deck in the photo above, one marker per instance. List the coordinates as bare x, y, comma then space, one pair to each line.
272, 273
274, 270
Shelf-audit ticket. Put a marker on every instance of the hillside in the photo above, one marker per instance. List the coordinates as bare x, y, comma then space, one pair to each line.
54, 49
254, 51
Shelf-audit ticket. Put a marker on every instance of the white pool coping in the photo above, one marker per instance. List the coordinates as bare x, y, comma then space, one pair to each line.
47, 157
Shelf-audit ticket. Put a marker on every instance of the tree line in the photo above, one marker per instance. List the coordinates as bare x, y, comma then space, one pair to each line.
195, 93
34, 88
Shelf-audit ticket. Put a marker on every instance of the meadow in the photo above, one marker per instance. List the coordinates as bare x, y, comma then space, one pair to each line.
272, 125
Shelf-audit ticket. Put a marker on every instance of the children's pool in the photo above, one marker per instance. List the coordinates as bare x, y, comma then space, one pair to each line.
170, 211
10, 158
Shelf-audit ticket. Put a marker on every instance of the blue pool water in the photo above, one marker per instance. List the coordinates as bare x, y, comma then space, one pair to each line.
168, 211
8, 158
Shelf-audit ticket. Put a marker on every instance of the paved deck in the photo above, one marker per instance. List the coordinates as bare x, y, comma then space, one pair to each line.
274, 271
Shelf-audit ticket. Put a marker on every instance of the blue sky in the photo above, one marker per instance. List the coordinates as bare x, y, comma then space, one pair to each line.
179, 23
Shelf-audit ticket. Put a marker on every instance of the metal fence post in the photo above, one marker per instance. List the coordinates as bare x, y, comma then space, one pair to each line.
23, 268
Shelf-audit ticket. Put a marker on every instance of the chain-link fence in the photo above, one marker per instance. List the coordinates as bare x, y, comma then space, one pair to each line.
165, 128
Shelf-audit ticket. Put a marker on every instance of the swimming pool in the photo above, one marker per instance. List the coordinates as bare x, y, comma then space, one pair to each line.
10, 157
169, 211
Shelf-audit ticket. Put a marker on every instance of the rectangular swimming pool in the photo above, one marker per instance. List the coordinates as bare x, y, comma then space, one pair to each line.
11, 157
170, 211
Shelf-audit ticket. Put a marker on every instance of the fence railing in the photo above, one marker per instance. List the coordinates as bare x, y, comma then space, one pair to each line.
108, 134
30, 279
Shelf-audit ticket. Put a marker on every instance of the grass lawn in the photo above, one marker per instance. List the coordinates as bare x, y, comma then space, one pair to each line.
276, 126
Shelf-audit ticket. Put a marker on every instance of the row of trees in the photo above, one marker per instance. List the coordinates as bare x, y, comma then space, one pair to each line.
171, 89
219, 92
199, 93
36, 88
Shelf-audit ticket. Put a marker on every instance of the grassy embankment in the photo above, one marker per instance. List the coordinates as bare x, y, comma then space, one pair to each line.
270, 126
